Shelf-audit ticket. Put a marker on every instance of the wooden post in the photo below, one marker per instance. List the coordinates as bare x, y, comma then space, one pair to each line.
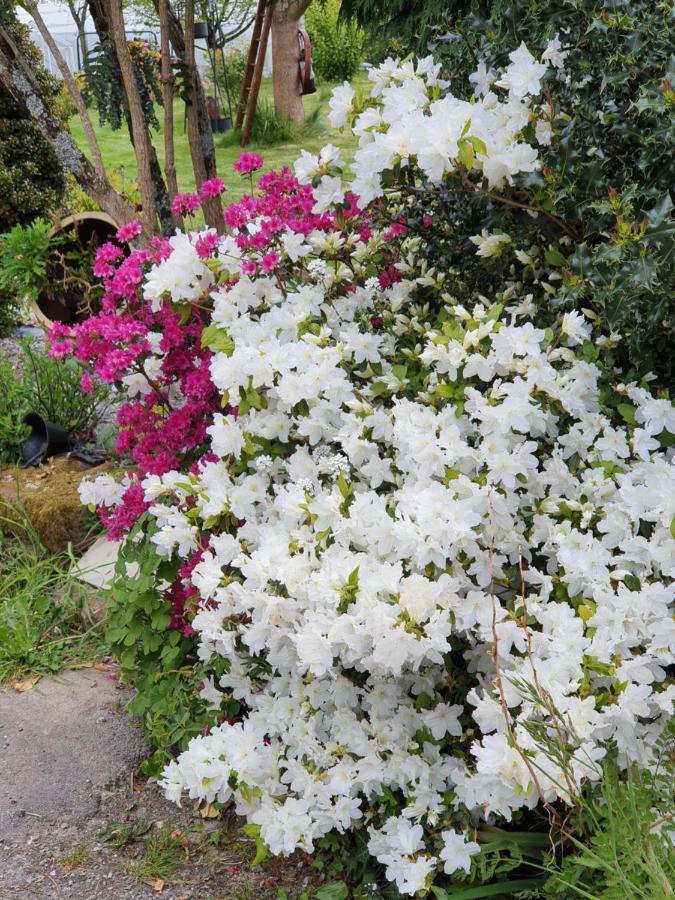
257, 78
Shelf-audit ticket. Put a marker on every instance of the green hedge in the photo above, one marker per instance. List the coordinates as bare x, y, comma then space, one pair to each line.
336, 47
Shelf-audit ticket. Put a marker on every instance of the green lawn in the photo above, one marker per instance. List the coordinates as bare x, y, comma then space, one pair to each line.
119, 158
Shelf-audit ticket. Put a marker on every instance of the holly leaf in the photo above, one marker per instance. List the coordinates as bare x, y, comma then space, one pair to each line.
334, 890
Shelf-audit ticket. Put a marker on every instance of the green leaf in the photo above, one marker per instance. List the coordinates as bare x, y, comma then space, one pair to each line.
447, 390
218, 339
344, 486
333, 890
478, 145
466, 154
261, 852
555, 258
499, 889
627, 413
672, 528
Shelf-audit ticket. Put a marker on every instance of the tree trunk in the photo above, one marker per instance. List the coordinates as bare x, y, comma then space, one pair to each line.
285, 53
31, 7
99, 14
82, 38
167, 97
177, 38
17, 78
80, 18
212, 208
141, 135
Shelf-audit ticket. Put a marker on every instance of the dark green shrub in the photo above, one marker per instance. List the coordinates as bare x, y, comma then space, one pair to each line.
606, 177
32, 181
336, 46
158, 657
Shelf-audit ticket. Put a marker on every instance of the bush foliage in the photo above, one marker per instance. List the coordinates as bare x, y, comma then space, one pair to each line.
336, 46
32, 182
606, 175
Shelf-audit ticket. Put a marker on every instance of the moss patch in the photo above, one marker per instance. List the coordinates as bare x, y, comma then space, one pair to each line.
49, 496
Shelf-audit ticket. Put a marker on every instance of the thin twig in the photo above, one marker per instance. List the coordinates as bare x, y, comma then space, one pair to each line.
498, 677
543, 694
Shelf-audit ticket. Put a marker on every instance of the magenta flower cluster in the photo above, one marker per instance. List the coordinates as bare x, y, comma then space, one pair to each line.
155, 357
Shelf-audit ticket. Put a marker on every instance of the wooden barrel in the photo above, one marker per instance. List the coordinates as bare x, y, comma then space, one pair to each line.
88, 228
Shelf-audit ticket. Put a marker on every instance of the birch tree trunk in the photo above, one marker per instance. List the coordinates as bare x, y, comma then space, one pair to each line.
285, 53
17, 78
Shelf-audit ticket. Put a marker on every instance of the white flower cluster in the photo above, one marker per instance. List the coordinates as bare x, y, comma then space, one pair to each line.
413, 118
350, 587
424, 536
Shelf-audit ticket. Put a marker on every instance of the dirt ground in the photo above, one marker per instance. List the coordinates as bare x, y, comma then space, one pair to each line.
77, 822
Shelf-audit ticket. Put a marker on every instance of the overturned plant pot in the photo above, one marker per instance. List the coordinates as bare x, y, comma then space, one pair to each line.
63, 300
45, 439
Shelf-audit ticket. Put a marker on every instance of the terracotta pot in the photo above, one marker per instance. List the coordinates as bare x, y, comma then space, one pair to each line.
85, 226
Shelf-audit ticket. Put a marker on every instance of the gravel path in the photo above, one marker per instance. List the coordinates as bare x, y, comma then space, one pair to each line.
69, 756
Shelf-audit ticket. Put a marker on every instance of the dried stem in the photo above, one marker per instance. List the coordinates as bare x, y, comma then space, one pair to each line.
498, 677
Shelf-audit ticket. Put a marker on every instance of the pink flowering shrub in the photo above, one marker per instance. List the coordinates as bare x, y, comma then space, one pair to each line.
156, 355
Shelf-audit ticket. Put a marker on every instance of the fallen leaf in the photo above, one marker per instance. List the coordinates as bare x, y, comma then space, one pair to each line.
25, 684
103, 667
179, 837
209, 811
157, 885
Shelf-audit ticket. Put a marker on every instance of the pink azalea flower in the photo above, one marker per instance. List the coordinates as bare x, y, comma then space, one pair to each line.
214, 187
248, 162
270, 261
206, 244
128, 232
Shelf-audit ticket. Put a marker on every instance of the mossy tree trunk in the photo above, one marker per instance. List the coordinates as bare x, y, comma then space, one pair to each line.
18, 80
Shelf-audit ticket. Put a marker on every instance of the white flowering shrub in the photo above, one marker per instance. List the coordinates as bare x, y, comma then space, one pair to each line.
429, 537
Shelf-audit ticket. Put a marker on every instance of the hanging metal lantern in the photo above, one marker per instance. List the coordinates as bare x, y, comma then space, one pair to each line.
305, 67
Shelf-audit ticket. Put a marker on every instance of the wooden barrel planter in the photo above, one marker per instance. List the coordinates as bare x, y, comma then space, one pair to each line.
89, 230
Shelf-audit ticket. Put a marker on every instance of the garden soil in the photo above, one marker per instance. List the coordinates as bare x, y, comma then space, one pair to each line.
69, 769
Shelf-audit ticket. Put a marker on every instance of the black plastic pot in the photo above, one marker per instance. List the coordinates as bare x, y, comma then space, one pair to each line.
201, 30
46, 439
221, 124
